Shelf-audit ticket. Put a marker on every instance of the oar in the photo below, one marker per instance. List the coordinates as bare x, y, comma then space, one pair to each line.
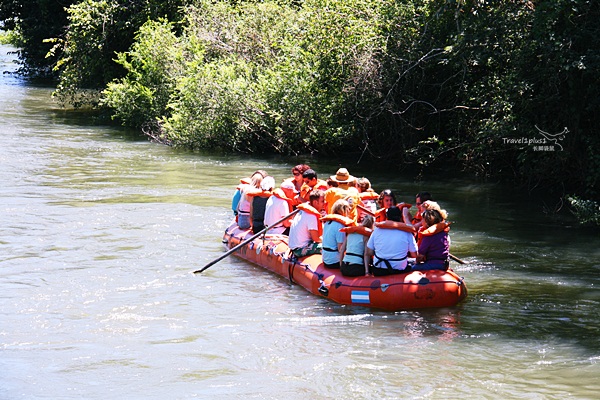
363, 208
458, 260
245, 242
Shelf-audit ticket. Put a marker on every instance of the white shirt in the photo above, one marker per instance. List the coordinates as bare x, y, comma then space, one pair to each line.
302, 223
275, 210
391, 244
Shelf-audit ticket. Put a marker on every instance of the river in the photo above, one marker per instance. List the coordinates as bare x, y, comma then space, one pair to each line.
101, 231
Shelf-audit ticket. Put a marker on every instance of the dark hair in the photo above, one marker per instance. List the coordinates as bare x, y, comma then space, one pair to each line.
331, 183
424, 196
316, 194
432, 217
386, 192
309, 174
300, 168
393, 214
364, 184
261, 172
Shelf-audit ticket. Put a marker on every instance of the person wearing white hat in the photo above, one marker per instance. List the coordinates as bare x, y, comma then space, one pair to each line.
280, 204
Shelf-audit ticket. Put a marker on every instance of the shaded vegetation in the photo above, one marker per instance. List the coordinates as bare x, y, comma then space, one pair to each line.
499, 88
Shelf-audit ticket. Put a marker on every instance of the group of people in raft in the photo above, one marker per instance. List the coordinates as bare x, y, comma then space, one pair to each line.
355, 229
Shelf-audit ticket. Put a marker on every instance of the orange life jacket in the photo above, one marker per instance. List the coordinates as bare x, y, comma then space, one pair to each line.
403, 205
338, 218
305, 207
396, 225
306, 189
262, 193
357, 229
380, 214
350, 195
370, 194
443, 226
280, 194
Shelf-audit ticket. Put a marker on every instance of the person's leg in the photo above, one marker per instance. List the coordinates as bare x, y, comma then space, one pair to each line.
311, 248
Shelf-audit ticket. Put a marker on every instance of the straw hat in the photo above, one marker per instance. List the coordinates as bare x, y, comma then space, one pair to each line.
342, 176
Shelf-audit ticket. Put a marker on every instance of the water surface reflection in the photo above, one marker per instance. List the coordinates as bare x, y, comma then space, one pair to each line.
101, 232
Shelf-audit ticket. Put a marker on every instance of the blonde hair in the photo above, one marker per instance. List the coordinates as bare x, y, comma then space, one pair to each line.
257, 177
368, 221
363, 184
432, 205
341, 207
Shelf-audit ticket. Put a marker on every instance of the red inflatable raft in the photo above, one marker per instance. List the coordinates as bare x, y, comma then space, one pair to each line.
417, 289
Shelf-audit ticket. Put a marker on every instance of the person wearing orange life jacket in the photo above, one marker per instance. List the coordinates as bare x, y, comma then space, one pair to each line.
306, 229
333, 238
297, 178
346, 190
388, 249
368, 197
415, 221
311, 182
258, 203
280, 204
386, 199
434, 248
424, 229
354, 247
243, 208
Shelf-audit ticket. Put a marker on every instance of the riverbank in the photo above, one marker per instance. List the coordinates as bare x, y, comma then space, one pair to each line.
101, 233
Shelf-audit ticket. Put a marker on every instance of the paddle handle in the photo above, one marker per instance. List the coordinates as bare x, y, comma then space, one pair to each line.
245, 242
458, 260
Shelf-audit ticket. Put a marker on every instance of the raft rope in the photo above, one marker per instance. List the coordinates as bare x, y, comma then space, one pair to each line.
385, 286
324, 288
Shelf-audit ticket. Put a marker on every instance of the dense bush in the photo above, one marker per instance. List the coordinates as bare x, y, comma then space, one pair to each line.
98, 31
466, 84
34, 22
272, 77
587, 212
154, 64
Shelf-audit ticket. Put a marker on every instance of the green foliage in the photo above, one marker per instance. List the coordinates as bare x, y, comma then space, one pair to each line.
587, 212
431, 82
98, 31
300, 76
34, 21
86, 49
10, 37
154, 64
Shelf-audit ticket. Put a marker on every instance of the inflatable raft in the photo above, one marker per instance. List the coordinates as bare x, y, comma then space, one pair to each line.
417, 289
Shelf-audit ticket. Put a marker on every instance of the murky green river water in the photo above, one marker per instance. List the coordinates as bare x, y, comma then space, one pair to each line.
101, 232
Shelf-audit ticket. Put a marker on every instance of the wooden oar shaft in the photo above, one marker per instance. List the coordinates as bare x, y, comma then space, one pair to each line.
245, 242
458, 260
